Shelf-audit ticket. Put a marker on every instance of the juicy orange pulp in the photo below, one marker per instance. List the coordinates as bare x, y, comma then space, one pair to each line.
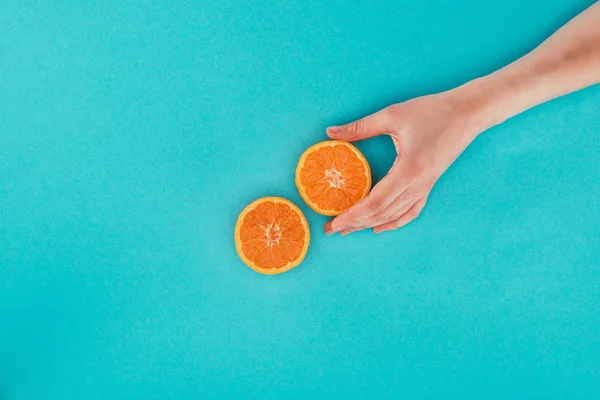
332, 176
272, 235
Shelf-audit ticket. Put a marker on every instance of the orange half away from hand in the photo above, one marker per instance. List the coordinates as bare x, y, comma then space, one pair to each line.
272, 235
332, 176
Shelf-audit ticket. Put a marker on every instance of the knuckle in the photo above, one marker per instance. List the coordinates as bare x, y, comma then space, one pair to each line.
377, 204
389, 110
357, 126
385, 115
380, 219
391, 215
396, 114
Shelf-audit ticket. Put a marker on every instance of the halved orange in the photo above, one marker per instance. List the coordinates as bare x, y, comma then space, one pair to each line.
272, 235
332, 176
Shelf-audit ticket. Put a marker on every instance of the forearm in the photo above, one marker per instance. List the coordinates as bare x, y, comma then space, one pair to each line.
567, 61
430, 132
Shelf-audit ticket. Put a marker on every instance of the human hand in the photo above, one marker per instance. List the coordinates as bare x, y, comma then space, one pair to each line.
429, 133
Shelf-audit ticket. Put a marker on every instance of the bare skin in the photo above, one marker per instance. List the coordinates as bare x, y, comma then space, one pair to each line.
430, 132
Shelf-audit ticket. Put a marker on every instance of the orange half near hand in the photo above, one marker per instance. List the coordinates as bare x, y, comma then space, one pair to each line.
272, 235
332, 176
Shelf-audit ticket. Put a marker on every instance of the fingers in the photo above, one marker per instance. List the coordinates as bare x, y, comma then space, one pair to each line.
393, 217
395, 210
382, 195
412, 213
373, 125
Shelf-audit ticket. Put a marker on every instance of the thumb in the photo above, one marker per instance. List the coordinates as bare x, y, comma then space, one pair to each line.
365, 128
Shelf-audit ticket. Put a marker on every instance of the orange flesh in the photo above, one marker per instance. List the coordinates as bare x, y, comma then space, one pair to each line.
272, 235
334, 177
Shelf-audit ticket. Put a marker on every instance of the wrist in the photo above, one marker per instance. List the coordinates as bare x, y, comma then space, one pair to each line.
507, 92
481, 103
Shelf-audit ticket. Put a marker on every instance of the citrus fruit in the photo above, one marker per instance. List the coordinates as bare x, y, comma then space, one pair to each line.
332, 176
272, 235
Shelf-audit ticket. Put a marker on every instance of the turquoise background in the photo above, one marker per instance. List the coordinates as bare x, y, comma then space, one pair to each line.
133, 133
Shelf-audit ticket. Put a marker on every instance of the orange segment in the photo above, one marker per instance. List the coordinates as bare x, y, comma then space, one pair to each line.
332, 176
272, 235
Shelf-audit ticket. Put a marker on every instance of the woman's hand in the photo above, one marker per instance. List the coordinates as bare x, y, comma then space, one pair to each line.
429, 133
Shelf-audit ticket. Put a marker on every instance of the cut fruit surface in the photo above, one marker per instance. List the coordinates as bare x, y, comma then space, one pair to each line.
332, 176
272, 235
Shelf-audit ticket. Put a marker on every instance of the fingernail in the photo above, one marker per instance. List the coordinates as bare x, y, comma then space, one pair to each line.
378, 231
334, 129
328, 229
346, 232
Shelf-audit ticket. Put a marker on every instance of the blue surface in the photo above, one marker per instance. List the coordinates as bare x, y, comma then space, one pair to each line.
133, 133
